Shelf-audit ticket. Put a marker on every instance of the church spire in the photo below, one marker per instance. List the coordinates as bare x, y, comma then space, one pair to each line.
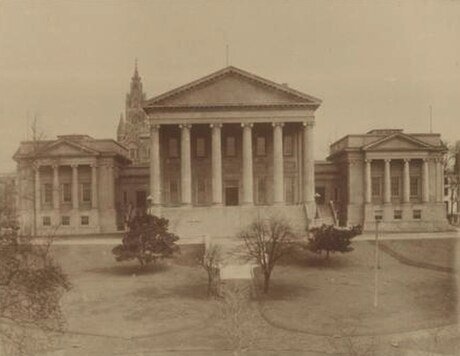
121, 128
136, 72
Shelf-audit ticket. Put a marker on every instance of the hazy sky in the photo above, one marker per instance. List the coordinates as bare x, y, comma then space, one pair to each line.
375, 64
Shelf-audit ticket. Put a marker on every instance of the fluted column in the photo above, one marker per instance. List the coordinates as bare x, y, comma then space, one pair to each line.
186, 166
74, 186
216, 164
367, 181
308, 163
278, 164
387, 182
37, 189
248, 178
55, 186
406, 181
155, 175
94, 193
440, 180
425, 181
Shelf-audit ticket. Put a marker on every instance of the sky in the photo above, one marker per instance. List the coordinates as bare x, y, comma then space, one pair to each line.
375, 64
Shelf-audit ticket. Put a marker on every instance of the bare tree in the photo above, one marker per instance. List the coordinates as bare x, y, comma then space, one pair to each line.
210, 261
451, 168
266, 242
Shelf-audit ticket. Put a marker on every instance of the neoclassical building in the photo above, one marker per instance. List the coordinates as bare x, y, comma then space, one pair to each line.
392, 176
221, 151
68, 185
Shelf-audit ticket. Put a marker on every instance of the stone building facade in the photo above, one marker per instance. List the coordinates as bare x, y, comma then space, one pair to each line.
68, 185
221, 151
392, 176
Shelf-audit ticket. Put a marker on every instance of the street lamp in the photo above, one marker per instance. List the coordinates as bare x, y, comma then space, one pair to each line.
378, 219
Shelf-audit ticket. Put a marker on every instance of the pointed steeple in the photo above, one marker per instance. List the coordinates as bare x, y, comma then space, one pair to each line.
136, 72
121, 128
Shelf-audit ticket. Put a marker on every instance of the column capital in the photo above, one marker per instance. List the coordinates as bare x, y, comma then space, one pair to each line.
74, 165
368, 160
154, 127
308, 124
406, 160
247, 124
54, 165
387, 160
185, 126
93, 165
216, 125
277, 124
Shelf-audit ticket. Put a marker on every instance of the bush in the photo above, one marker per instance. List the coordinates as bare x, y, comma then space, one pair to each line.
330, 238
147, 240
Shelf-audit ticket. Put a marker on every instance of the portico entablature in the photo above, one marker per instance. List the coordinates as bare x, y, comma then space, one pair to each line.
396, 155
229, 117
66, 161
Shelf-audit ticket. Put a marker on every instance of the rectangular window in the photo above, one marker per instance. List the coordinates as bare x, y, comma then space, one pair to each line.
397, 214
261, 190
395, 186
230, 146
66, 192
260, 146
84, 220
417, 214
47, 193
446, 191
288, 145
65, 220
200, 147
173, 147
173, 192
290, 189
414, 186
86, 192
46, 221
376, 186
378, 215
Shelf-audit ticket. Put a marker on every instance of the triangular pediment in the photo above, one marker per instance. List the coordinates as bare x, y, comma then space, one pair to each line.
67, 148
232, 87
398, 141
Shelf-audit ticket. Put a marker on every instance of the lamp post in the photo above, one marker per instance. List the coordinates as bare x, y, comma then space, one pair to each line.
378, 219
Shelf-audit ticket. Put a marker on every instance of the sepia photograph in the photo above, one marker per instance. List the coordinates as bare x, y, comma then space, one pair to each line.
229, 177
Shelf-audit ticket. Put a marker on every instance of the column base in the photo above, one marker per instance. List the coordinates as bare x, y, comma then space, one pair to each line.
247, 203
279, 203
217, 205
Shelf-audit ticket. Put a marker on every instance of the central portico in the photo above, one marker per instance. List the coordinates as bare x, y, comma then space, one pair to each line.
231, 138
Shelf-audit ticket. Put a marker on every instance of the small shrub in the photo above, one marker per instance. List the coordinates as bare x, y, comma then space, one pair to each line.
147, 240
330, 238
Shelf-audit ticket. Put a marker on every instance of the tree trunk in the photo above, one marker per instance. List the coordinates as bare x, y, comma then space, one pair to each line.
266, 282
327, 255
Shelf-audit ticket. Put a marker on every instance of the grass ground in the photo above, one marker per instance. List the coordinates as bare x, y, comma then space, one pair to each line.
114, 308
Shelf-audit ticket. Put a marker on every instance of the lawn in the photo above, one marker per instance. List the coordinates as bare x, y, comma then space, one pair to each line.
312, 295
430, 252
115, 307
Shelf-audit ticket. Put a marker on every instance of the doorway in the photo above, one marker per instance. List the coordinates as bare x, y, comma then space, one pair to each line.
231, 196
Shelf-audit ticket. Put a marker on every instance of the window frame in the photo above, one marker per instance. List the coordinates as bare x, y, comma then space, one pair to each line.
83, 191
230, 150
65, 192
173, 147
47, 193
46, 220
84, 220
65, 220
261, 149
288, 150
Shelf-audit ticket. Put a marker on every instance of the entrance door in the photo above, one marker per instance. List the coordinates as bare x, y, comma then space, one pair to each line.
231, 196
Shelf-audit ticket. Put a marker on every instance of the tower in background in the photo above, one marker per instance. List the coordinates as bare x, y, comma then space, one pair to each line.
132, 129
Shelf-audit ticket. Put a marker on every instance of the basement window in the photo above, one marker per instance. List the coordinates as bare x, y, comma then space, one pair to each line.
65, 220
46, 221
417, 214
397, 214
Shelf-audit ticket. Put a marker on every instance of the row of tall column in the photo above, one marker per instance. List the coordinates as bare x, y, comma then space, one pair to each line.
405, 181
247, 164
74, 191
